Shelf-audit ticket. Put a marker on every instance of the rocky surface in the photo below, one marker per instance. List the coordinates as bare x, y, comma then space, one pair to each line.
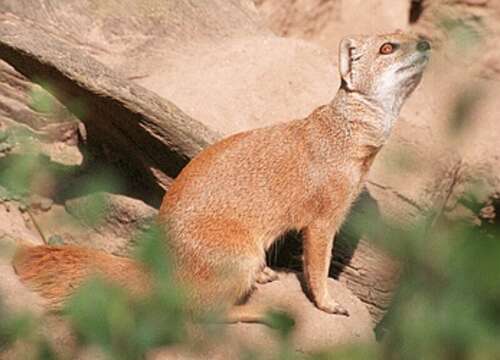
314, 330
15, 228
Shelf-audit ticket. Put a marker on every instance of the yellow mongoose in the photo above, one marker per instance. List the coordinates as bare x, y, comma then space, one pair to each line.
232, 201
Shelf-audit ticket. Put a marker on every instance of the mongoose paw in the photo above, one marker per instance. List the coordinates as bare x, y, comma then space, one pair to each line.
332, 307
267, 275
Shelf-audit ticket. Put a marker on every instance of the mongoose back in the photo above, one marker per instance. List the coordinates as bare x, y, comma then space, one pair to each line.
234, 199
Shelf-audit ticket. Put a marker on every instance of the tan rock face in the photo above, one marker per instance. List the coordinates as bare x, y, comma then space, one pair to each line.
231, 74
326, 22
13, 228
314, 330
239, 84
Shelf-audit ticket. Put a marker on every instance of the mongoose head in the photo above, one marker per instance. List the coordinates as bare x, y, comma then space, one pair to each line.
383, 68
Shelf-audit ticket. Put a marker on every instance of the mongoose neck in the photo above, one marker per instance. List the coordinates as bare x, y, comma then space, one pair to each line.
375, 117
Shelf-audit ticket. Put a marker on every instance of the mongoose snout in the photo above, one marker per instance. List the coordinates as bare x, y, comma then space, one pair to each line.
239, 195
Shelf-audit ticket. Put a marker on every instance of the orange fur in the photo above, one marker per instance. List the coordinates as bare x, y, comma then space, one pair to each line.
232, 201
56, 271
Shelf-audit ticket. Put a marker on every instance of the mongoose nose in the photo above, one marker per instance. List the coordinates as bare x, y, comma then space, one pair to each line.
423, 46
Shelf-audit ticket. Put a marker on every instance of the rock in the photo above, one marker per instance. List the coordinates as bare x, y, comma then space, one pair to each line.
40, 203
474, 2
46, 204
13, 225
113, 213
13, 293
22, 207
105, 221
314, 329
326, 22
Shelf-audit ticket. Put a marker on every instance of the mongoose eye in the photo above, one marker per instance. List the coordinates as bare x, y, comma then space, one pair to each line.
387, 48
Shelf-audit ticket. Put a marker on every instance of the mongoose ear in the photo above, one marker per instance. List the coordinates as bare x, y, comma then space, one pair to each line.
345, 59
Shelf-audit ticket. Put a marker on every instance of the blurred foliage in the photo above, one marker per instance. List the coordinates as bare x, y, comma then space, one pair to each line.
13, 327
24, 327
41, 100
465, 33
92, 190
465, 104
18, 171
448, 303
127, 327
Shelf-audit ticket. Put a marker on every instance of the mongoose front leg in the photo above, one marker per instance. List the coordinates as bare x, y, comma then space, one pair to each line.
318, 242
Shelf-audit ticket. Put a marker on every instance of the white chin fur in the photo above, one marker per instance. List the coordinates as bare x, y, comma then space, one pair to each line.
397, 76
396, 83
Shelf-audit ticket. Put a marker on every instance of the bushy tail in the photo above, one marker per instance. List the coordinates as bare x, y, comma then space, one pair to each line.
55, 272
